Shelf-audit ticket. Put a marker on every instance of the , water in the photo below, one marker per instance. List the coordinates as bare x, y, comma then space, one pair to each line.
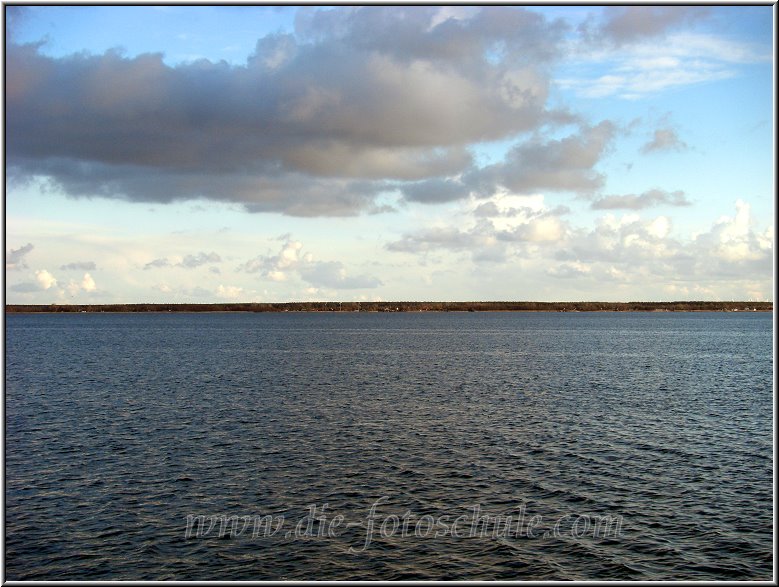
119, 426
